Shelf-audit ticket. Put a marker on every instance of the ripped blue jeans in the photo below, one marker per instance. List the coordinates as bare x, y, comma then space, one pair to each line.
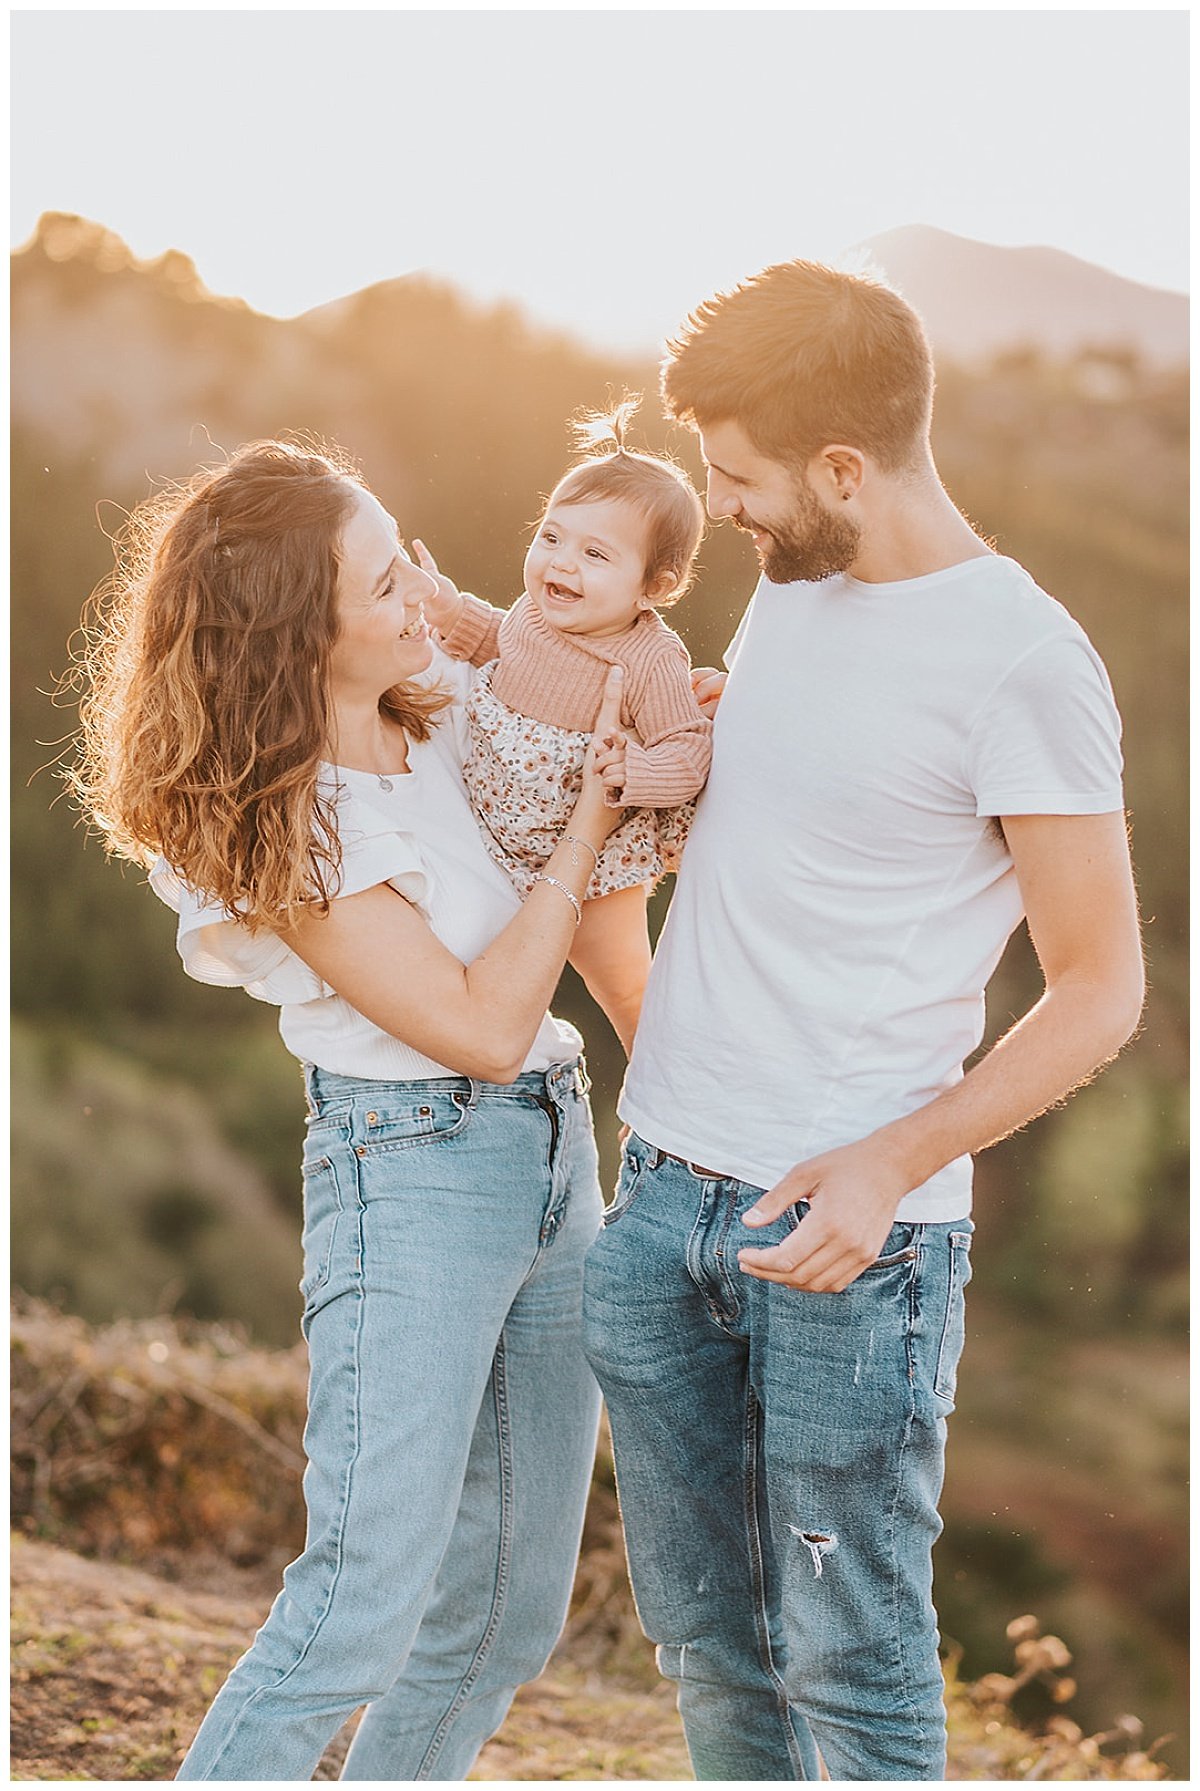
451, 1427
779, 1460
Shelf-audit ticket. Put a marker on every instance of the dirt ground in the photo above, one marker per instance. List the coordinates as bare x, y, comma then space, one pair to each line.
113, 1669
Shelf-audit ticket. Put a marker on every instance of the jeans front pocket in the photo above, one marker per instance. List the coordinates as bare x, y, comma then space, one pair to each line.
322, 1211
954, 1324
635, 1161
424, 1118
899, 1246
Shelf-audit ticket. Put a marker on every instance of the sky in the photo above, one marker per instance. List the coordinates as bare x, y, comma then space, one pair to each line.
605, 170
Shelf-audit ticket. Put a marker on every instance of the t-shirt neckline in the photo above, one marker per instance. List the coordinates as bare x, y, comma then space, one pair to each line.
925, 580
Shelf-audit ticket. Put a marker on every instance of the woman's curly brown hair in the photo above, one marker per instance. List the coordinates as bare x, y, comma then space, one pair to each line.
206, 706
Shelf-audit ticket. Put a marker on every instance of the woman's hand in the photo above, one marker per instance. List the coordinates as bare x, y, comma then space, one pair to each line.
479, 1019
443, 610
707, 685
610, 760
594, 818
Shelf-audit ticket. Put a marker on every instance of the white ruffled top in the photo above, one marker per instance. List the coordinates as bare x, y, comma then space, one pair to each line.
421, 838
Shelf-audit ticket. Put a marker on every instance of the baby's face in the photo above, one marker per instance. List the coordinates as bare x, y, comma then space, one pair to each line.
586, 568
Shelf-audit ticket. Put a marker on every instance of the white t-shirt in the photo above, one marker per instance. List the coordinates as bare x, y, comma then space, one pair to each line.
844, 896
420, 837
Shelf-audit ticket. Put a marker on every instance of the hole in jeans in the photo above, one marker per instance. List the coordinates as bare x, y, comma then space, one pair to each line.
818, 1546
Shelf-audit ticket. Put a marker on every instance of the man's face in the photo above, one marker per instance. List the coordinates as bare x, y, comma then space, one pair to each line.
796, 534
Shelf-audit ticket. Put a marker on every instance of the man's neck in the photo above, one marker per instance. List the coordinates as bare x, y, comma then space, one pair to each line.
913, 529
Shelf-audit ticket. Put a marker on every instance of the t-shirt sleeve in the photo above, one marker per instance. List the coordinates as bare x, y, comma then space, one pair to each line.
1048, 739
216, 948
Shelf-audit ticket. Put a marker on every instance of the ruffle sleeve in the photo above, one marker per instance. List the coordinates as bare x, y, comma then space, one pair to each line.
216, 948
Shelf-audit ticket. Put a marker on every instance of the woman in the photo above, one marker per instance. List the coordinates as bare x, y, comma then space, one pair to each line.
263, 727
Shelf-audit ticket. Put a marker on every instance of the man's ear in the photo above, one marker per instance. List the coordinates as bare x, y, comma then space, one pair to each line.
838, 472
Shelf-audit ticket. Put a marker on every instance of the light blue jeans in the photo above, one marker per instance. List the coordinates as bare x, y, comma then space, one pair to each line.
779, 1460
451, 1427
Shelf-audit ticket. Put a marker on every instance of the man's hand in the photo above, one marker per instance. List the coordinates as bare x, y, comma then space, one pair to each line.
854, 1192
707, 685
443, 610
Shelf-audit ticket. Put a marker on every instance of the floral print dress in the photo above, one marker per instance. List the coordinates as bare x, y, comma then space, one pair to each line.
524, 778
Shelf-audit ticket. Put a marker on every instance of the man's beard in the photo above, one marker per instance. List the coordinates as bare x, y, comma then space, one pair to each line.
812, 544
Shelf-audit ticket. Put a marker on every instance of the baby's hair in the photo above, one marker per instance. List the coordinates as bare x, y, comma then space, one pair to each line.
603, 432
658, 489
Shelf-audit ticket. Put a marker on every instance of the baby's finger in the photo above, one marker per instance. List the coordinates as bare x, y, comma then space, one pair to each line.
425, 559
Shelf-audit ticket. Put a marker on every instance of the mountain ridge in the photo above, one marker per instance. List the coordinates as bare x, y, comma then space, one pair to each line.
979, 299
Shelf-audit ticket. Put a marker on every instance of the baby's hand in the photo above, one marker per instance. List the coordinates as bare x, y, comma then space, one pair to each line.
610, 760
444, 609
707, 685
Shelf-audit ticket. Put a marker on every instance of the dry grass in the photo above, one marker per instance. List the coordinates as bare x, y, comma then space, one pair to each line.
148, 1442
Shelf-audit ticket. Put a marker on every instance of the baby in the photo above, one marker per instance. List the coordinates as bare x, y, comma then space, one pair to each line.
619, 536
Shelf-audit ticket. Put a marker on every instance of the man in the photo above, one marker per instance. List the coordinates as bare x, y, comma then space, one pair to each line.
915, 747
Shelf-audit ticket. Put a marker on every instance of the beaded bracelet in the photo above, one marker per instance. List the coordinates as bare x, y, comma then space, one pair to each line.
541, 877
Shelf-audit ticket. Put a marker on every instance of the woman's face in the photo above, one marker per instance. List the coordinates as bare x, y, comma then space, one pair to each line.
382, 638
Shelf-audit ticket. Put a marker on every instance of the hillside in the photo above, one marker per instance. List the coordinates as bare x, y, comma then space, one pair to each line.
157, 1495
158, 1122
978, 299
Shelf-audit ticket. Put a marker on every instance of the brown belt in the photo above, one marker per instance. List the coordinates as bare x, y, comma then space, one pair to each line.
712, 1175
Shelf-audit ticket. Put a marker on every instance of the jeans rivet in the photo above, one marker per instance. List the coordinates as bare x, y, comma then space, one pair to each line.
425, 1112
372, 1119
360, 1150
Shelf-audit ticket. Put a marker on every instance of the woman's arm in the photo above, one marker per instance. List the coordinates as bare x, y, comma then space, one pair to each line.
479, 1019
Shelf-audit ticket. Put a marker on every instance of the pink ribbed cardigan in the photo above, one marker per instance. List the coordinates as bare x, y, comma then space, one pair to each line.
558, 678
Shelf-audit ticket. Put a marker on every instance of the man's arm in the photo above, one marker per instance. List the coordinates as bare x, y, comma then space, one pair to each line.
1077, 885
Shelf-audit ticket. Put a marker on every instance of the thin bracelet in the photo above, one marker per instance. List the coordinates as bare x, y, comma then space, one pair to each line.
576, 841
541, 877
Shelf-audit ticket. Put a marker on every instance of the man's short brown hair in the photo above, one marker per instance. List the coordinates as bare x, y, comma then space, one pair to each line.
800, 356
